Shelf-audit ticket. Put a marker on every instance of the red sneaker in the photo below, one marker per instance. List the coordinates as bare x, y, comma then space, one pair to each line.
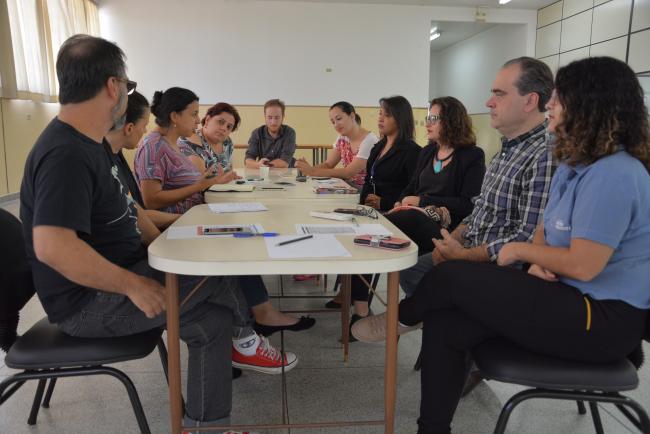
267, 359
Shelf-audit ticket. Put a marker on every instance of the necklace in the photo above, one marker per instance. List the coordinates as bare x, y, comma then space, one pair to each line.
437, 164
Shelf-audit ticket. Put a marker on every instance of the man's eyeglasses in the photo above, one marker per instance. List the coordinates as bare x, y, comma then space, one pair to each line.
431, 119
130, 85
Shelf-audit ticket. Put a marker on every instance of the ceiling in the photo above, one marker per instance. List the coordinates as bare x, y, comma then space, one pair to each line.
453, 32
514, 4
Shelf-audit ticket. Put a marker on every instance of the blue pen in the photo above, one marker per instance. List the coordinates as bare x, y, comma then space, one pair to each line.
252, 234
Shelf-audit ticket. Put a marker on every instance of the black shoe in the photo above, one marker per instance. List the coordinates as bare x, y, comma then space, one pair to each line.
304, 323
333, 304
236, 373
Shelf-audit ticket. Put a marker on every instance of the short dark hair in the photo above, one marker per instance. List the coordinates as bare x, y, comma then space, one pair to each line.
223, 107
348, 109
136, 107
400, 109
173, 100
603, 110
535, 77
274, 103
83, 66
456, 124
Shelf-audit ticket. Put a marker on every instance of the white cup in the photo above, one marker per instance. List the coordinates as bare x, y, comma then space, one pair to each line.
264, 172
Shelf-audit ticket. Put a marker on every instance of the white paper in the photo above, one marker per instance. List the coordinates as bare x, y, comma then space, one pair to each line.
191, 232
227, 207
342, 229
320, 246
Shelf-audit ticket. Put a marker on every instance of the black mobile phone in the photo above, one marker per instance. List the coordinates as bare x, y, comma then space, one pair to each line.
346, 210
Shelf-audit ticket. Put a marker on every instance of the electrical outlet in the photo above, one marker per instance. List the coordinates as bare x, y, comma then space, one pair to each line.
328, 69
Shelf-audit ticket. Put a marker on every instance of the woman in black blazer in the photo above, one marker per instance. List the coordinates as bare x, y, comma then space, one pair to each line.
393, 159
448, 175
388, 170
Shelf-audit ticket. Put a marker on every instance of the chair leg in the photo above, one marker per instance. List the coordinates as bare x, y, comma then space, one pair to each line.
48, 394
135, 400
33, 414
595, 415
418, 362
581, 407
15, 385
642, 422
507, 409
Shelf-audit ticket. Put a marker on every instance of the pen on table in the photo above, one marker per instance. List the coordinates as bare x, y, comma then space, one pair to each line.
355, 222
251, 234
306, 237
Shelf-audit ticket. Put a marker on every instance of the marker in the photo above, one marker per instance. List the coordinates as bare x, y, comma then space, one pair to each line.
295, 240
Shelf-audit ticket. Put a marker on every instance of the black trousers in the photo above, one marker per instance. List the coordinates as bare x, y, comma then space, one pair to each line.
359, 290
463, 304
418, 227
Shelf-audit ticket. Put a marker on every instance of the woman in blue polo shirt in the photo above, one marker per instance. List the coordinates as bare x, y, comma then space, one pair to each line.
587, 291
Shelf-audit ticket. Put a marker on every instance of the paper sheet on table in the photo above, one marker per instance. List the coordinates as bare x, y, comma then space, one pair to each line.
343, 229
226, 207
191, 232
320, 246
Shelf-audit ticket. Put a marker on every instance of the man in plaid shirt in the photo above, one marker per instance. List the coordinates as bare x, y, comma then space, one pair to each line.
515, 188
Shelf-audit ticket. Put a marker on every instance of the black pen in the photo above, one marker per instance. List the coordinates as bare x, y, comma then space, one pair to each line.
283, 243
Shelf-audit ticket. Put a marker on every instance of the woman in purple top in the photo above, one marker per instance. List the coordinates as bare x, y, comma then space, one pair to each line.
168, 180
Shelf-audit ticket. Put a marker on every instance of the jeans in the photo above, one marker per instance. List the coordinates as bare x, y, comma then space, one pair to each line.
208, 320
410, 278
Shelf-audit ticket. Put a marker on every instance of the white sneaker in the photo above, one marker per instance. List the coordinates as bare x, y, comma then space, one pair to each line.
373, 328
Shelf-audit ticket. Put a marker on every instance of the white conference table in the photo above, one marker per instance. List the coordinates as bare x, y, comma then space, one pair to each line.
221, 256
296, 191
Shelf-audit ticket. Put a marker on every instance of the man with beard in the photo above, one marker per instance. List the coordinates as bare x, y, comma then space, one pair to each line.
85, 242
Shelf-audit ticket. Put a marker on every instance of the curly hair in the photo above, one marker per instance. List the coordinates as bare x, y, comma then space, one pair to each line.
456, 124
603, 110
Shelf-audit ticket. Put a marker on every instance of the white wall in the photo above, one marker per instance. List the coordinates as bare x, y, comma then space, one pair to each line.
246, 52
434, 66
466, 70
574, 29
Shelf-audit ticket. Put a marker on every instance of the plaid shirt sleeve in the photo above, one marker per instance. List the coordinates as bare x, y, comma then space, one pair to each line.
534, 195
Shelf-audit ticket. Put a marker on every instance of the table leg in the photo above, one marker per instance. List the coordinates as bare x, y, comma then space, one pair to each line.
390, 370
346, 284
174, 353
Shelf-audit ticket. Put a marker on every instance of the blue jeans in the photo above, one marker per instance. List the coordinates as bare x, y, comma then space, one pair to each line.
206, 323
409, 278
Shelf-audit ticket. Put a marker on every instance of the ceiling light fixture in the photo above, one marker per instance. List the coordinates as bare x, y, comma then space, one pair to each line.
433, 36
433, 30
502, 2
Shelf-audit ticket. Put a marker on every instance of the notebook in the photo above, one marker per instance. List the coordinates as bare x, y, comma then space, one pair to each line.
220, 188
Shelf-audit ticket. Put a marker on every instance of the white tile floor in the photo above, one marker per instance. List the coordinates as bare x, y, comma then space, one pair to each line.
320, 387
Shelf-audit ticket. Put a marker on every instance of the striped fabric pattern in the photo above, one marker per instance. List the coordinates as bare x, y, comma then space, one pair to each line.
156, 160
514, 193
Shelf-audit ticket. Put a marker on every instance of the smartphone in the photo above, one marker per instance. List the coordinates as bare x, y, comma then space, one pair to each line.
321, 178
207, 230
390, 243
346, 210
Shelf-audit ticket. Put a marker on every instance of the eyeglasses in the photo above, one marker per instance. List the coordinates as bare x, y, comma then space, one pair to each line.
130, 85
366, 211
431, 119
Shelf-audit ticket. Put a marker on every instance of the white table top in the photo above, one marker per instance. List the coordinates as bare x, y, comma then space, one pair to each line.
248, 256
299, 191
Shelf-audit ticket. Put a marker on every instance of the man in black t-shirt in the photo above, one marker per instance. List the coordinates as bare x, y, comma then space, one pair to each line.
84, 236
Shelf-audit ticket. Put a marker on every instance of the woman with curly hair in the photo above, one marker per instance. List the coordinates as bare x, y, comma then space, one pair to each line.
585, 296
449, 174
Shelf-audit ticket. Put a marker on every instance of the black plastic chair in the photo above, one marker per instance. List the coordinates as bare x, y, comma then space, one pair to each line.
44, 352
553, 378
